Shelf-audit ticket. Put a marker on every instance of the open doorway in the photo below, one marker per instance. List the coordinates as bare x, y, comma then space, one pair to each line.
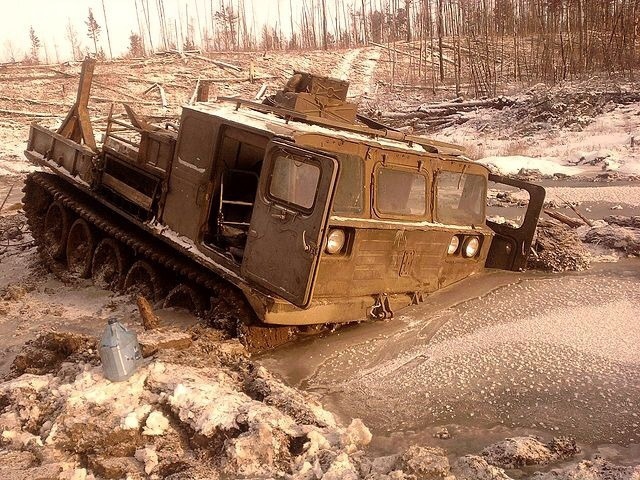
237, 166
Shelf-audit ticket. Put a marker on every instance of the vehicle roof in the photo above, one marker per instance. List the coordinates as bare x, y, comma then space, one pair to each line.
278, 125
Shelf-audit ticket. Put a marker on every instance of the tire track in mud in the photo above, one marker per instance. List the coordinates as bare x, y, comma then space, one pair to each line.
358, 66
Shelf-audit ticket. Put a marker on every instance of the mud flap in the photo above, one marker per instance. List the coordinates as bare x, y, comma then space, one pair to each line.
510, 247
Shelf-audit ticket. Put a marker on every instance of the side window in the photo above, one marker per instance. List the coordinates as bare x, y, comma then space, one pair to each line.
401, 192
294, 181
196, 143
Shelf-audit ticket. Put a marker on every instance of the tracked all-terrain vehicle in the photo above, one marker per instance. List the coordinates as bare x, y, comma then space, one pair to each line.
298, 206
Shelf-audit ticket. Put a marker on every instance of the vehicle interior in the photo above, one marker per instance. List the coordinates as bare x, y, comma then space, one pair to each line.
238, 164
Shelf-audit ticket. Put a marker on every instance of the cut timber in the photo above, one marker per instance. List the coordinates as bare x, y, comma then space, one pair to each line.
261, 92
77, 125
149, 319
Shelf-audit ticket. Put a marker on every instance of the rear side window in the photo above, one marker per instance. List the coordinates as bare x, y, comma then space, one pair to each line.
294, 182
461, 198
196, 142
349, 197
401, 192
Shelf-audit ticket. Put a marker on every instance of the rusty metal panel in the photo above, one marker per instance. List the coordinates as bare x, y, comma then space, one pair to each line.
73, 157
511, 246
156, 150
395, 261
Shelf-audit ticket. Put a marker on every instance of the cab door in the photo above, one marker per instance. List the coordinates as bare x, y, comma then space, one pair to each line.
510, 246
288, 223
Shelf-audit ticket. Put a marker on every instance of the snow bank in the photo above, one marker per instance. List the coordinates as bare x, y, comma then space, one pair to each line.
194, 414
175, 408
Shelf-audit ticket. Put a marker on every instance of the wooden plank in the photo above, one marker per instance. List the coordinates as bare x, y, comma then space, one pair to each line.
127, 192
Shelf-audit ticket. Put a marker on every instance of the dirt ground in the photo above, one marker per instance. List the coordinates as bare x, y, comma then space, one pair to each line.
457, 388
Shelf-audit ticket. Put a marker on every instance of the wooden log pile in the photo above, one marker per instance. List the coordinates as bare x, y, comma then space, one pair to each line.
443, 115
623, 238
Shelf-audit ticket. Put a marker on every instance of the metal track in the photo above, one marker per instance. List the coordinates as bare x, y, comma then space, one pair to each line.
228, 301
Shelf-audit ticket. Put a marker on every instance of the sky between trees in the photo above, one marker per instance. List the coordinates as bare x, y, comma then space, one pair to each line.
49, 19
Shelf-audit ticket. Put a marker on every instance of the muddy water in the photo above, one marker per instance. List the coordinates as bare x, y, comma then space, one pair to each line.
505, 354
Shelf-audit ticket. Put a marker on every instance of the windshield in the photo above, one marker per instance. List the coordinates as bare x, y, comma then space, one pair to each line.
401, 192
294, 182
461, 198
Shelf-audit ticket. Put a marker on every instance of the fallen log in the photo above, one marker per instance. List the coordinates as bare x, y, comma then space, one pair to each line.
567, 220
451, 107
35, 102
29, 114
498, 102
218, 63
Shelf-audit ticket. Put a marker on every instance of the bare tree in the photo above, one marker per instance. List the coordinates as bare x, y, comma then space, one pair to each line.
106, 27
74, 41
10, 51
35, 45
324, 25
93, 30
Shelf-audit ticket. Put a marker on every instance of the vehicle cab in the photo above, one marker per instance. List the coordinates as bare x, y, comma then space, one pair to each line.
320, 220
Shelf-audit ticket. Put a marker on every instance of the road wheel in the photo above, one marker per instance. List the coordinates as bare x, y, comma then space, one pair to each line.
143, 279
80, 244
186, 297
56, 230
109, 265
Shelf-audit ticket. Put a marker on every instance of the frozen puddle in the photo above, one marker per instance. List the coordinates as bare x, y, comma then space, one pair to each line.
550, 355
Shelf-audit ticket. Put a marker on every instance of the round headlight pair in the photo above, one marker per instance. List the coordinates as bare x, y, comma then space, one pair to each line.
335, 241
470, 246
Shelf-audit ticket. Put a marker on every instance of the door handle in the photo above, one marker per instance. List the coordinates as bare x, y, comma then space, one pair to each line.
310, 247
279, 215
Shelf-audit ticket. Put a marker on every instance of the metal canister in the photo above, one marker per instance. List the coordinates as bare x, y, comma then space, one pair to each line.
119, 351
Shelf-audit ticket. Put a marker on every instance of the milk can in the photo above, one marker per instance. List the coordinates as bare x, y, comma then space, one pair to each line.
119, 351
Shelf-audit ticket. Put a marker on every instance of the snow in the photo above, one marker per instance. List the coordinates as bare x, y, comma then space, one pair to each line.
191, 165
623, 194
156, 424
343, 69
511, 165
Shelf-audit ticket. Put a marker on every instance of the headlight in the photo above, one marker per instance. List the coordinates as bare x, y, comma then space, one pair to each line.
470, 247
335, 241
453, 245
